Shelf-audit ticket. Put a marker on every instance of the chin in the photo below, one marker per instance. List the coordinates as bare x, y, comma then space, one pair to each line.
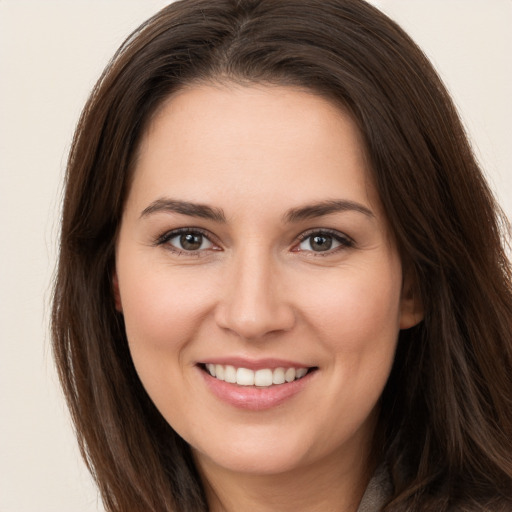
255, 451
277, 450
253, 461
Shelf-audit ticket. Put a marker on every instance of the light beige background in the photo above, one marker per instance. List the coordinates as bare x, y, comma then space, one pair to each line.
51, 53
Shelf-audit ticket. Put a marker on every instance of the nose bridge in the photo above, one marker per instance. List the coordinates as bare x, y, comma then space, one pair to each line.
253, 304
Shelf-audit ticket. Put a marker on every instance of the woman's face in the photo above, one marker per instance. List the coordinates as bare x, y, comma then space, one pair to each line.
253, 246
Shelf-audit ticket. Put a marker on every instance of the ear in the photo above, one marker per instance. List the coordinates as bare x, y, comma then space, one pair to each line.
411, 305
115, 290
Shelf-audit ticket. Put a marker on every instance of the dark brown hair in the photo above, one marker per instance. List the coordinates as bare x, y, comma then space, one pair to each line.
446, 421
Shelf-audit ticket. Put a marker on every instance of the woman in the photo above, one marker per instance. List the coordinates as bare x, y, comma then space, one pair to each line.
282, 283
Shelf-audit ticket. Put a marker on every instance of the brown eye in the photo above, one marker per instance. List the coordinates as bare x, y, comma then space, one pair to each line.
191, 241
324, 241
186, 241
320, 242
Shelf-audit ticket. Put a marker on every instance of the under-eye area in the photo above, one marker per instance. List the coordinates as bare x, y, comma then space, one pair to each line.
264, 377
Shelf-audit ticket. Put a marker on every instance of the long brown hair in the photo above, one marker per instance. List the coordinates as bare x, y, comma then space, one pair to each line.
446, 422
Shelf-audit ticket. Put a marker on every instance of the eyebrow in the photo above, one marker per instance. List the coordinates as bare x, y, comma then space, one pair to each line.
298, 214
185, 208
322, 208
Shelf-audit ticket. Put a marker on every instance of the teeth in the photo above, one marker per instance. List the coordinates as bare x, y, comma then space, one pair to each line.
244, 377
289, 375
219, 371
230, 374
300, 372
261, 378
278, 376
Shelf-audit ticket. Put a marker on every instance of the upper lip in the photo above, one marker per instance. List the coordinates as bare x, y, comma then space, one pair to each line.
255, 364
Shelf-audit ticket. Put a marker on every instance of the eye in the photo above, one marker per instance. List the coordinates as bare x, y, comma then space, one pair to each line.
323, 242
186, 240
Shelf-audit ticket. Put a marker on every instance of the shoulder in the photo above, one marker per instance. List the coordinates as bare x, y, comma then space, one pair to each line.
380, 490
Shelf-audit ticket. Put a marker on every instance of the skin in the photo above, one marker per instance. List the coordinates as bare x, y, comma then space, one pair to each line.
255, 289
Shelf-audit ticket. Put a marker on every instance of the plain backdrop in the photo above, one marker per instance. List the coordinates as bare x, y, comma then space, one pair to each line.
51, 53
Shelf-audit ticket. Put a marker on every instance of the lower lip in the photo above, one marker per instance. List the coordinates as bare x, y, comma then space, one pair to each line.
253, 398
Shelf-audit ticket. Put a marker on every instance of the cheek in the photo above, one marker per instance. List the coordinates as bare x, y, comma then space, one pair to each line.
162, 308
356, 321
354, 308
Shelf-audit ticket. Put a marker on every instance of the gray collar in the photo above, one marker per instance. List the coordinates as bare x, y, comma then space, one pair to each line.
378, 491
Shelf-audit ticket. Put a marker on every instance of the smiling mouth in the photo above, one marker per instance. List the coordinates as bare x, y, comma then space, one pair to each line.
265, 377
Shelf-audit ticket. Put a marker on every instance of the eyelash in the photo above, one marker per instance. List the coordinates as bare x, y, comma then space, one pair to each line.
344, 241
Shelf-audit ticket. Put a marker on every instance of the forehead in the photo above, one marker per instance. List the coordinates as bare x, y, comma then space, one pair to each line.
281, 142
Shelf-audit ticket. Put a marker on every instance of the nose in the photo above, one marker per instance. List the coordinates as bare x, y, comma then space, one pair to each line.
253, 303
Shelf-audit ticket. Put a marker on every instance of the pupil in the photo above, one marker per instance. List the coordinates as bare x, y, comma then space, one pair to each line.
191, 242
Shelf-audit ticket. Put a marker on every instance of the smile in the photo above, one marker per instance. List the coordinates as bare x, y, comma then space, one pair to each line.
264, 377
